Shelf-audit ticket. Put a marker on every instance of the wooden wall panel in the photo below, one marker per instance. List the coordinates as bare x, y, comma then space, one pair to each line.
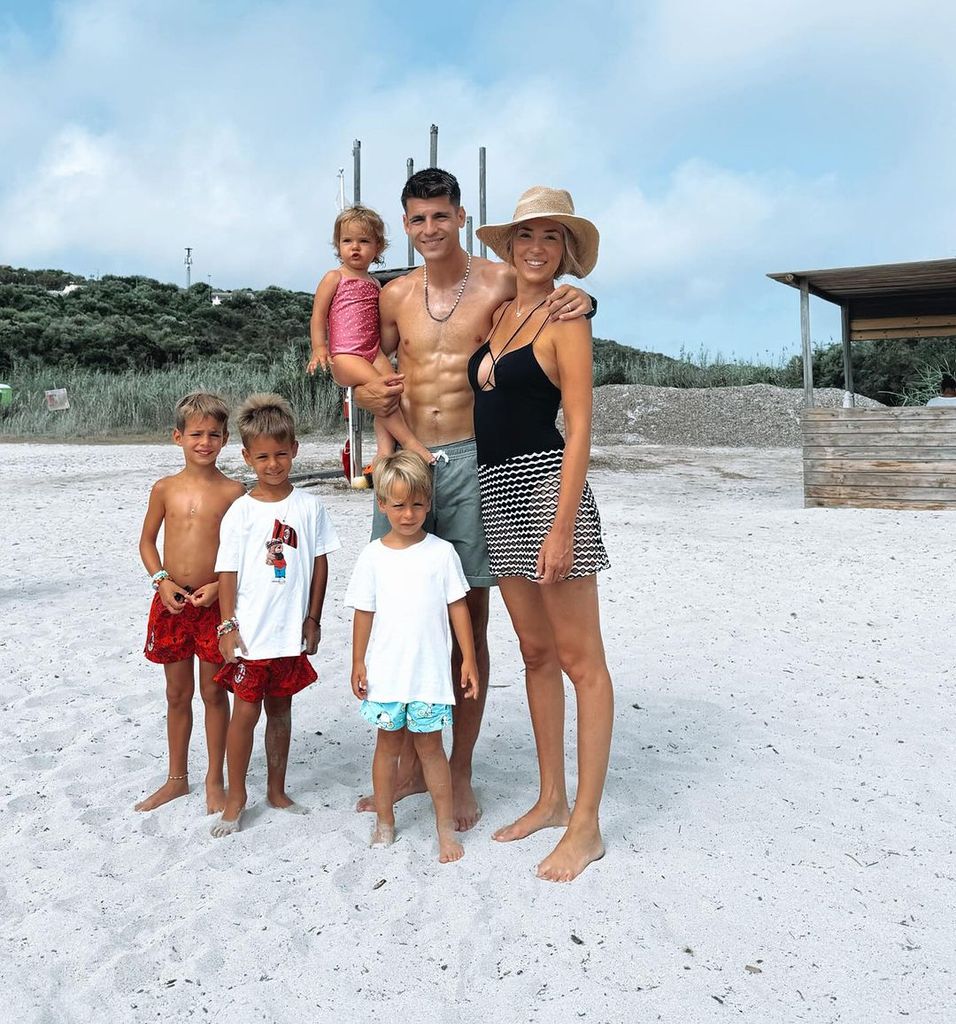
879, 458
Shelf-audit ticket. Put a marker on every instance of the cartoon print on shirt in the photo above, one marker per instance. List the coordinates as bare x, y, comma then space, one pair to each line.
275, 557
282, 534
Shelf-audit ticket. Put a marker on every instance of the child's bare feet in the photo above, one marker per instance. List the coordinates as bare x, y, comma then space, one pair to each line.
577, 848
383, 834
540, 816
215, 796
173, 788
227, 826
449, 849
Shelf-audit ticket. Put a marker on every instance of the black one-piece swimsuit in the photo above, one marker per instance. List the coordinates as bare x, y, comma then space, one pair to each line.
519, 465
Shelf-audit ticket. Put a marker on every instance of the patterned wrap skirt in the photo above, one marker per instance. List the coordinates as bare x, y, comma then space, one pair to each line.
519, 500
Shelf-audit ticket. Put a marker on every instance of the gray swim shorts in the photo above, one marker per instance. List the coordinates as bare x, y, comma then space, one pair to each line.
455, 514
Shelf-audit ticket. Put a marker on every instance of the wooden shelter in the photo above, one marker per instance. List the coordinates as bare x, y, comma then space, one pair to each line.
878, 458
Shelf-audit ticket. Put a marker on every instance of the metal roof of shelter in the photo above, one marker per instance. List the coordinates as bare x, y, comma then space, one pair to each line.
889, 300
924, 287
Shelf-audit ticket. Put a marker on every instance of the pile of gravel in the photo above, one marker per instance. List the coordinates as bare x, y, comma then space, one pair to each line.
755, 416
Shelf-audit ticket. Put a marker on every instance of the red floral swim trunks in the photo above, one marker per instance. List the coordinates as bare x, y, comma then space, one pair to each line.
271, 677
172, 638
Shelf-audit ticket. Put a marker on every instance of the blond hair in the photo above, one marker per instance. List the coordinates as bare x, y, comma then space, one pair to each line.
265, 416
369, 220
198, 405
570, 260
406, 470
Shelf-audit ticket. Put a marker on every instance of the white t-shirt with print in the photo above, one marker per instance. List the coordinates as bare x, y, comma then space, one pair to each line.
409, 590
273, 545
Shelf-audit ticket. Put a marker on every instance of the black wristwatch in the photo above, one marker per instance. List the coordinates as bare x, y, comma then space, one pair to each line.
590, 316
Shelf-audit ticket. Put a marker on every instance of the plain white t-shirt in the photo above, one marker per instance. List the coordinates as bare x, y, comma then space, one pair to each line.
942, 401
273, 545
409, 590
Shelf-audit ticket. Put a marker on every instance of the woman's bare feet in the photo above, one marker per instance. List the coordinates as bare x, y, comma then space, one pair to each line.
215, 796
449, 849
540, 816
577, 848
383, 834
171, 789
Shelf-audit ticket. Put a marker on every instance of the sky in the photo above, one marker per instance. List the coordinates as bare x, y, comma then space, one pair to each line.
710, 143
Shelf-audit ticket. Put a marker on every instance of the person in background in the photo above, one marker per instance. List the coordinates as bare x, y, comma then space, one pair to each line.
946, 399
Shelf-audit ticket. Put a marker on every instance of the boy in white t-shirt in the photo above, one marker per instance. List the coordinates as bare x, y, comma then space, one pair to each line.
405, 589
273, 572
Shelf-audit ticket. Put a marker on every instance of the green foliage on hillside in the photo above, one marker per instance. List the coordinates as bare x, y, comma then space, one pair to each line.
122, 324
133, 323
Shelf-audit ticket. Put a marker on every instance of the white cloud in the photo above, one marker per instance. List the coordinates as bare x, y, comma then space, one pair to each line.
149, 127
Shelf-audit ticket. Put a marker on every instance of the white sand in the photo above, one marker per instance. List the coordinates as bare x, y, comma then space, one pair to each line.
779, 810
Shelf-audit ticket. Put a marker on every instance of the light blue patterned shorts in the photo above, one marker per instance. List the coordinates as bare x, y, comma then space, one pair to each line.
416, 716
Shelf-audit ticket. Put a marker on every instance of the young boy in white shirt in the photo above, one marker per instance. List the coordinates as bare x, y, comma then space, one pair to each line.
405, 589
273, 572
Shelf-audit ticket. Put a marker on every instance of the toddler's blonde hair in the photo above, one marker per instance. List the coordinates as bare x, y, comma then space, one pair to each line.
403, 469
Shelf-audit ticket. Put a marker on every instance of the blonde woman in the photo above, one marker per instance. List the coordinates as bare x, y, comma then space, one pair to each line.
540, 518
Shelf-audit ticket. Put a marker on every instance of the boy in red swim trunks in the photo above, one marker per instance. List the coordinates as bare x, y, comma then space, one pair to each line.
184, 613
273, 572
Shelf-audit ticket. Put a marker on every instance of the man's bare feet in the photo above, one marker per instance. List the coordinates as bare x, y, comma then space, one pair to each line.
465, 808
226, 826
407, 788
449, 849
540, 816
575, 850
215, 797
171, 789
383, 834
282, 802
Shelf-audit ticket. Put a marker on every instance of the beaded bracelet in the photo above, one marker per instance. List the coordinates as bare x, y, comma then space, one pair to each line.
158, 578
226, 626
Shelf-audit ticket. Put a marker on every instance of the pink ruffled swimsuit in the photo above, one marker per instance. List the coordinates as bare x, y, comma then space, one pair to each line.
353, 319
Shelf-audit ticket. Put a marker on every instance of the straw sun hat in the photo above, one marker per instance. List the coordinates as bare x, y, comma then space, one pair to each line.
555, 204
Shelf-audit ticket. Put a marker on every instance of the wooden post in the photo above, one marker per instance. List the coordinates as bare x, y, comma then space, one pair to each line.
433, 146
847, 354
356, 172
409, 171
805, 343
482, 197
469, 242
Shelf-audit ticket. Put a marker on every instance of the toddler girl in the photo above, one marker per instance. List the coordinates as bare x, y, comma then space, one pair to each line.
345, 324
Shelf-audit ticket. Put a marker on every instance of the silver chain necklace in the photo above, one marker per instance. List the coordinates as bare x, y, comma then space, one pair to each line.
461, 291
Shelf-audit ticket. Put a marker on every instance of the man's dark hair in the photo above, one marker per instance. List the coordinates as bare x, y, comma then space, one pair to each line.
948, 382
431, 183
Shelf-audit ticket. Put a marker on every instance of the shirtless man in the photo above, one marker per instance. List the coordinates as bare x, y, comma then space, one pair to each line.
185, 610
435, 317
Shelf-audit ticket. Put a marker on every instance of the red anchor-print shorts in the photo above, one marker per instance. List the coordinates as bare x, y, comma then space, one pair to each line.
251, 680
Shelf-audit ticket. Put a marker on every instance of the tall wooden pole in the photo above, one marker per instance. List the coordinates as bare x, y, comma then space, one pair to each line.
805, 343
469, 241
433, 146
356, 171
